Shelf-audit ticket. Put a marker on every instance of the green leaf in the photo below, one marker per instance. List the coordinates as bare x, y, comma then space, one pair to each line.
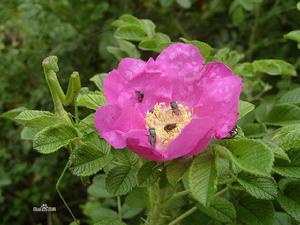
148, 174
244, 69
34, 118
157, 43
131, 33
11, 114
4, 178
245, 108
97, 188
91, 100
283, 114
98, 80
126, 157
290, 206
250, 155
255, 212
287, 137
277, 151
109, 221
202, 178
258, 187
129, 48
120, 180
230, 58
294, 35
88, 159
186, 4
282, 219
54, 137
298, 6
176, 170
292, 97
289, 169
289, 198
220, 209
203, 47
135, 202
274, 67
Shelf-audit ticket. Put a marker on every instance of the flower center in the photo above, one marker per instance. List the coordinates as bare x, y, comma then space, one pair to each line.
165, 122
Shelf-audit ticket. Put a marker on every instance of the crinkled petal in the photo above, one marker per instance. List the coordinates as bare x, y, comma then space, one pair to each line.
219, 90
192, 139
183, 60
113, 122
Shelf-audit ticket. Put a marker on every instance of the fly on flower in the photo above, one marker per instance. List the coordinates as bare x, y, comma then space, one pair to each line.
180, 106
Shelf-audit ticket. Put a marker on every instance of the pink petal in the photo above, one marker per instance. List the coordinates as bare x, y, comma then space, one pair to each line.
113, 122
219, 90
193, 138
183, 60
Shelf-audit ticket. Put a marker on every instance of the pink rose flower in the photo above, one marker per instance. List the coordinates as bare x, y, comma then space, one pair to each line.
169, 107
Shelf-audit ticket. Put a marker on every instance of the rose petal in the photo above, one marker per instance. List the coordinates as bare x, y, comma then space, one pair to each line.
113, 122
219, 90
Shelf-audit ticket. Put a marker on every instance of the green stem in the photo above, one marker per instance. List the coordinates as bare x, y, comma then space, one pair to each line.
182, 216
60, 195
119, 207
222, 191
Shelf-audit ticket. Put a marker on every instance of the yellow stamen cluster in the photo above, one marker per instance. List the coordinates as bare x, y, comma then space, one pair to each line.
162, 115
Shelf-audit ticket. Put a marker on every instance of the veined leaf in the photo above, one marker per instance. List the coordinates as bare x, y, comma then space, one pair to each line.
97, 188
203, 47
295, 34
148, 174
292, 96
109, 221
283, 114
258, 187
87, 159
202, 178
91, 100
250, 155
287, 137
176, 170
277, 151
120, 180
289, 169
54, 137
11, 114
126, 157
255, 212
220, 209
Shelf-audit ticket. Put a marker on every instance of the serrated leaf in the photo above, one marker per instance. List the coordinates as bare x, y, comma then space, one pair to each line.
255, 212
245, 108
202, 178
283, 114
88, 159
220, 209
289, 169
258, 187
176, 170
120, 180
54, 137
91, 100
98, 80
250, 155
287, 137
126, 157
292, 97
283, 219
274, 67
148, 174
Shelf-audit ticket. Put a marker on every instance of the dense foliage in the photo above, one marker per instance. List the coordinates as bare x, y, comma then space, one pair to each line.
250, 179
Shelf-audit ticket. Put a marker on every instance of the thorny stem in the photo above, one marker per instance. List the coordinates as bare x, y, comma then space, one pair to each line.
60, 195
182, 216
119, 207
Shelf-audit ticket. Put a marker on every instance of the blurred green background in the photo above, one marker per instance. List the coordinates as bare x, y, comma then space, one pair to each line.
79, 32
